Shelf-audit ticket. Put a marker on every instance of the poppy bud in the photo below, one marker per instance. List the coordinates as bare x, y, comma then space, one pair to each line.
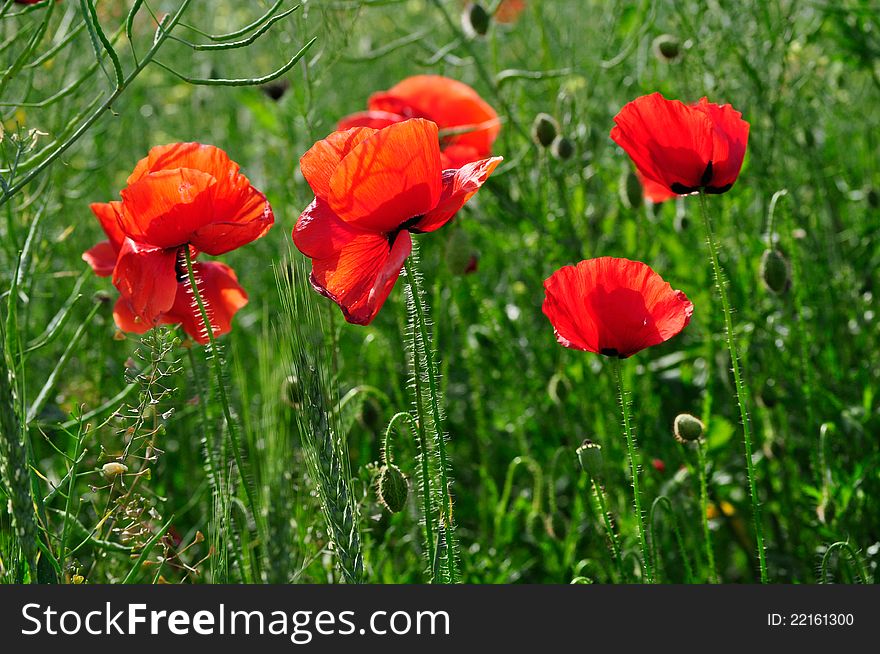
562, 148
687, 428
113, 469
631, 193
590, 456
391, 488
873, 198
544, 130
667, 47
775, 271
475, 19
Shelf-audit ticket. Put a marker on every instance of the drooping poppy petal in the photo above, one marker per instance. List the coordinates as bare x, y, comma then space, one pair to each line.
221, 294
102, 258
453, 105
165, 207
614, 307
353, 267
459, 186
108, 214
373, 119
389, 177
456, 156
246, 216
654, 191
146, 277
126, 319
196, 156
322, 159
683, 148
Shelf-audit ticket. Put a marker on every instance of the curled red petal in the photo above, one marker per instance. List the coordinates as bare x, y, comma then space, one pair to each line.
614, 307
246, 216
323, 158
353, 267
373, 119
730, 136
146, 277
196, 156
108, 214
389, 177
126, 319
669, 142
102, 258
654, 191
459, 186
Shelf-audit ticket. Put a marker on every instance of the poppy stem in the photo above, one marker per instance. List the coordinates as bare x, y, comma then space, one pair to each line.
430, 372
231, 425
704, 511
632, 453
739, 384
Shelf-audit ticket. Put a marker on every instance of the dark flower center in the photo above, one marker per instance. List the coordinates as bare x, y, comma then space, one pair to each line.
408, 225
681, 189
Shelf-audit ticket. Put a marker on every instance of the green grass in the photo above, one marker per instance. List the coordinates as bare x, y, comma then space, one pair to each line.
804, 74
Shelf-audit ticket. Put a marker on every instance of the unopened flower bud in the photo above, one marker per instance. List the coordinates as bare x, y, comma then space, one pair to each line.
113, 469
562, 148
475, 19
544, 130
631, 193
590, 456
687, 428
392, 488
667, 47
775, 271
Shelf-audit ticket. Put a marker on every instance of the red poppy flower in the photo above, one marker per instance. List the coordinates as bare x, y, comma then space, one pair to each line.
222, 295
614, 307
451, 104
683, 148
509, 10
654, 191
372, 189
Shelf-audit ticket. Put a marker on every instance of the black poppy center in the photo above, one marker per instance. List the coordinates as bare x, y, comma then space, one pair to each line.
704, 186
408, 225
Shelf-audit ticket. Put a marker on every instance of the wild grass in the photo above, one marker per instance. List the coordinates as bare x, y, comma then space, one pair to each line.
312, 397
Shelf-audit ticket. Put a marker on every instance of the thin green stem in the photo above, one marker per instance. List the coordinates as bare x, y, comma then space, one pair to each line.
704, 513
609, 527
632, 454
433, 396
231, 425
739, 384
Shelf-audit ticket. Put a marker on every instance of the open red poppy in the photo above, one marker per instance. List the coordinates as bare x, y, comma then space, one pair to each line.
614, 307
222, 295
683, 148
372, 189
471, 125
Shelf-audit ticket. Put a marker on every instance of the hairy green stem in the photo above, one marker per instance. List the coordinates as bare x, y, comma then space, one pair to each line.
704, 513
609, 527
433, 396
632, 454
739, 384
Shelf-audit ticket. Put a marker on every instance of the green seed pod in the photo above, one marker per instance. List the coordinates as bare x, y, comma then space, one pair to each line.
667, 47
544, 130
475, 19
562, 148
687, 428
590, 456
775, 271
392, 488
631, 193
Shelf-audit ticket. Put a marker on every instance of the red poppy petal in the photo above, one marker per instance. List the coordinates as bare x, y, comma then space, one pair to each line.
447, 102
654, 191
322, 159
668, 141
355, 268
730, 137
509, 10
613, 306
126, 320
459, 186
108, 214
221, 294
146, 277
197, 156
456, 156
247, 217
102, 258
164, 208
374, 119
388, 178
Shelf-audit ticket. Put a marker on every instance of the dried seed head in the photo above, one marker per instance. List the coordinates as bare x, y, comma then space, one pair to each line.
544, 130
113, 469
687, 428
475, 19
590, 456
562, 148
631, 193
667, 48
392, 488
775, 271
